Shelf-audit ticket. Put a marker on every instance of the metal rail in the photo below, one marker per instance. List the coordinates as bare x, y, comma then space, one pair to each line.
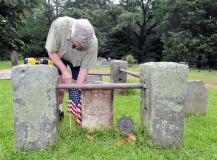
132, 74
102, 86
123, 70
103, 74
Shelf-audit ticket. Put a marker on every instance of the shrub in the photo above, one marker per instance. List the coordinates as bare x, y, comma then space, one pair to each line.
130, 59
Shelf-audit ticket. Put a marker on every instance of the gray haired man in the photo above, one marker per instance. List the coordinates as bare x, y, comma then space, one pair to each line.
72, 43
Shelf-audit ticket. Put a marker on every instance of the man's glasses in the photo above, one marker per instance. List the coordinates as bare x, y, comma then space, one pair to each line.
73, 46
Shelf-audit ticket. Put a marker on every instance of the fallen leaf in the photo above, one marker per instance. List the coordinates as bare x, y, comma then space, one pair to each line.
89, 137
131, 138
121, 141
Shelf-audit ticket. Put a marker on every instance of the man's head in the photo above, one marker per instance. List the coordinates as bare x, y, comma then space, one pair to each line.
81, 33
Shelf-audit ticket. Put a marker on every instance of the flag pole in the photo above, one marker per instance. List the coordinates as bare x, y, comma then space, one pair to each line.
70, 121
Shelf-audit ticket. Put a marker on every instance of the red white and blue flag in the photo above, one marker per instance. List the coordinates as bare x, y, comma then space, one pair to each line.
74, 104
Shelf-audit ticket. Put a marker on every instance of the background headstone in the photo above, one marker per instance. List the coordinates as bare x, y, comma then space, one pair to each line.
197, 97
162, 102
91, 78
97, 107
34, 105
185, 63
14, 58
105, 63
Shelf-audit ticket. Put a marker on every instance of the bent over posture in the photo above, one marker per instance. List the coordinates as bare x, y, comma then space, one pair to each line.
71, 42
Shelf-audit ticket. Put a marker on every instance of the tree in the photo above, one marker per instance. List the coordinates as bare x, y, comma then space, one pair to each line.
12, 14
189, 31
138, 21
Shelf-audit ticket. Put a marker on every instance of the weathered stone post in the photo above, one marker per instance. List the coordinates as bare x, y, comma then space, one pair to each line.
197, 97
97, 107
162, 103
14, 58
118, 76
34, 105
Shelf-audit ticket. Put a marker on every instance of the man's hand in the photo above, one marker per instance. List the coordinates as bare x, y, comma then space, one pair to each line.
66, 77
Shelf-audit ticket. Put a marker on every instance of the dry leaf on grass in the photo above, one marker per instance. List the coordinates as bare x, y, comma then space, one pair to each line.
129, 138
121, 141
89, 137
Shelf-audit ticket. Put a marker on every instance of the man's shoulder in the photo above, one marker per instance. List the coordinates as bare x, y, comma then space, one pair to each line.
63, 21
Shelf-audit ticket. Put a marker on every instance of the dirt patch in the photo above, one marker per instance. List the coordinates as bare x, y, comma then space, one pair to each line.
210, 85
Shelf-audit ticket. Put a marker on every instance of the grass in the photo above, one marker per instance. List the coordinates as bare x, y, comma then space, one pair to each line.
199, 139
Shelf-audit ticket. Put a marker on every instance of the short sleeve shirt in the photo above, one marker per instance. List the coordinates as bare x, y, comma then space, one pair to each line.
58, 40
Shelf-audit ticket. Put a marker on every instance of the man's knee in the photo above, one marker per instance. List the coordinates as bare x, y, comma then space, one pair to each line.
61, 92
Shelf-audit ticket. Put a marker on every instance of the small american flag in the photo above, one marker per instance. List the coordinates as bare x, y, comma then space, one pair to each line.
74, 104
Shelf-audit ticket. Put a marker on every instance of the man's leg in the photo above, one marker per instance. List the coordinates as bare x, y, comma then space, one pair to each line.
60, 98
61, 92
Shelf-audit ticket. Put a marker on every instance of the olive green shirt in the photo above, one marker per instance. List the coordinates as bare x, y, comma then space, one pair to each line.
58, 40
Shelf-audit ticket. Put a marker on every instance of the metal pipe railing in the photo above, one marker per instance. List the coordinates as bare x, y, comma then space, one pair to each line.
102, 86
103, 74
132, 74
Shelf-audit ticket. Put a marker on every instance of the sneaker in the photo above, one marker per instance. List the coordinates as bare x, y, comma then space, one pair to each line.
61, 115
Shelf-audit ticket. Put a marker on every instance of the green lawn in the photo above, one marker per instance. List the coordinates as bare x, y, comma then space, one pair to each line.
199, 139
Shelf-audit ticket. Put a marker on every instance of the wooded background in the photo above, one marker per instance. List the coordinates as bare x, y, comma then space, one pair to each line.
150, 30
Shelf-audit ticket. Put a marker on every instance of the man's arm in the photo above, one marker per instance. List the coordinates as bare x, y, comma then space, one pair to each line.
82, 75
66, 75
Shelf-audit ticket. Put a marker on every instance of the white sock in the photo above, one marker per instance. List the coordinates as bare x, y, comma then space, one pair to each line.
61, 107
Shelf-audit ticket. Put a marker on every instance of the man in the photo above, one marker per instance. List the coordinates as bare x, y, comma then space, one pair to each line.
72, 43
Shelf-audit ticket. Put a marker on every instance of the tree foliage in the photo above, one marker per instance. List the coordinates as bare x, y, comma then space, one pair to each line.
12, 18
149, 30
189, 31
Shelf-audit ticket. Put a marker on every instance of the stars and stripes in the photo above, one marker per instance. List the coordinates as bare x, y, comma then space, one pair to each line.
74, 104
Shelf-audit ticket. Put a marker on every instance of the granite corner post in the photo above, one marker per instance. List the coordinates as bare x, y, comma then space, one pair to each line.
163, 101
34, 105
118, 76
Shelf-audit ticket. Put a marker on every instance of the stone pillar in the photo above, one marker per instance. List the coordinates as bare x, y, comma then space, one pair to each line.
118, 76
162, 103
34, 105
197, 97
14, 58
97, 107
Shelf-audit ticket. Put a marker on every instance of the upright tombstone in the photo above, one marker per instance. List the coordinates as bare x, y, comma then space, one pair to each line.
118, 76
97, 107
14, 58
104, 62
197, 97
34, 105
91, 78
162, 102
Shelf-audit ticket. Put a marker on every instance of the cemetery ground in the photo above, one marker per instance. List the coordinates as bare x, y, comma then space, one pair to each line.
199, 138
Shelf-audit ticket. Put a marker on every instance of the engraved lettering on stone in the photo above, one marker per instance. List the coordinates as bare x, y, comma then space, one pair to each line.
100, 100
